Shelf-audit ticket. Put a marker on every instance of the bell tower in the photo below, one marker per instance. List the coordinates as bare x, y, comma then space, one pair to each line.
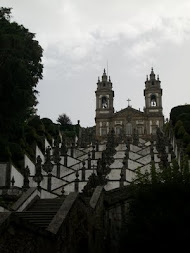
104, 105
153, 103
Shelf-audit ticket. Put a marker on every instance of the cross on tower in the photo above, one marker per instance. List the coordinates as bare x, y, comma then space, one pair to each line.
128, 100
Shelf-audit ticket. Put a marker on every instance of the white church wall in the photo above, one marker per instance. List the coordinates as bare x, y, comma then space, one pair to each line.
98, 155
65, 171
47, 144
47, 195
111, 185
39, 153
142, 141
145, 160
18, 177
134, 156
78, 153
102, 147
119, 154
117, 164
114, 174
32, 183
132, 165
156, 159
144, 151
69, 188
121, 147
43, 184
56, 182
77, 166
54, 170
130, 175
83, 157
81, 186
71, 161
147, 143
145, 168
87, 174
70, 177
93, 162
30, 164
134, 148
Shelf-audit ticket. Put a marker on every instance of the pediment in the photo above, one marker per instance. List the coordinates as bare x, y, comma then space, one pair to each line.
129, 111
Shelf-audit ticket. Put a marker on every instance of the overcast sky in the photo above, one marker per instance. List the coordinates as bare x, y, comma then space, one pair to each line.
80, 37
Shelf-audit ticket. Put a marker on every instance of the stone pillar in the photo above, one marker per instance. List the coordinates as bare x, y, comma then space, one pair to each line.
97, 146
122, 178
83, 171
49, 181
72, 149
125, 163
89, 161
26, 180
77, 182
152, 150
65, 159
93, 153
38, 177
58, 170
12, 181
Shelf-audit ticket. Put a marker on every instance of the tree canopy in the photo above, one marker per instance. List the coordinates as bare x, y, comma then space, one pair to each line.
63, 119
20, 70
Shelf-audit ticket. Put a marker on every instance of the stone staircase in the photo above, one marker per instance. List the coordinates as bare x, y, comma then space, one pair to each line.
70, 179
41, 212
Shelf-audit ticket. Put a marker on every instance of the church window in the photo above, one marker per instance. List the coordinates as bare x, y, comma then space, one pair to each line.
118, 130
103, 131
129, 129
104, 102
154, 128
153, 101
140, 130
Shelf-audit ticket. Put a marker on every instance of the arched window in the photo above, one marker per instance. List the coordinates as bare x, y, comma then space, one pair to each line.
153, 101
104, 102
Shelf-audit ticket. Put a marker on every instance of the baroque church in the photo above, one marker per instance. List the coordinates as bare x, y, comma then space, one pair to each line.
75, 198
128, 120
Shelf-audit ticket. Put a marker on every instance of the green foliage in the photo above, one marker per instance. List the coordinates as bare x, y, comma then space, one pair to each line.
64, 120
171, 174
180, 113
180, 118
20, 71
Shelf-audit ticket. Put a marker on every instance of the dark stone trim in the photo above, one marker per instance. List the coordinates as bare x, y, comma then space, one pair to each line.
62, 213
96, 196
23, 198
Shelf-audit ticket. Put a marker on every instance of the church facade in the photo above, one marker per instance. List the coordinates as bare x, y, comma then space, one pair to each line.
128, 121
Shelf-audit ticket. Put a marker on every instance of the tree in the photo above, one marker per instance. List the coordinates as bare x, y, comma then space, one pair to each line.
20, 71
63, 119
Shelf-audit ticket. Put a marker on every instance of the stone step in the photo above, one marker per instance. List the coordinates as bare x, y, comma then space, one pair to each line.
32, 216
42, 205
41, 212
44, 209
